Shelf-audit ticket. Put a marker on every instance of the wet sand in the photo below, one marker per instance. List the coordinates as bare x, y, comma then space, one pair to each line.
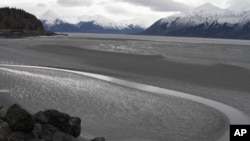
219, 71
117, 112
217, 75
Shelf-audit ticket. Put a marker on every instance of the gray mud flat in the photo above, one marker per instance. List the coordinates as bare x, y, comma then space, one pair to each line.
209, 68
113, 111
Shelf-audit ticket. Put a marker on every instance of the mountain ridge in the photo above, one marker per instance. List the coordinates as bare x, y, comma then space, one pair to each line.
87, 24
204, 21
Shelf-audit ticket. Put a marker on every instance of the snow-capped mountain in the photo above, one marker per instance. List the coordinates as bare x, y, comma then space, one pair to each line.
50, 18
206, 10
85, 23
99, 20
52, 22
205, 21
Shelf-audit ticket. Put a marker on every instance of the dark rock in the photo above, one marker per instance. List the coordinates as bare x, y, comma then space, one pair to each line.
60, 136
75, 126
44, 131
17, 124
62, 121
3, 111
98, 139
40, 117
19, 136
4, 131
19, 119
37, 130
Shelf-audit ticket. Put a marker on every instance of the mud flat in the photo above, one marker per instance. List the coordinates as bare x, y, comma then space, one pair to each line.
218, 71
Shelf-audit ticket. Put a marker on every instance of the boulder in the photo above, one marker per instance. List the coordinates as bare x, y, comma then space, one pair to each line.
98, 139
1, 117
3, 111
4, 131
60, 136
20, 136
40, 117
16, 124
37, 131
19, 119
74, 126
44, 131
62, 121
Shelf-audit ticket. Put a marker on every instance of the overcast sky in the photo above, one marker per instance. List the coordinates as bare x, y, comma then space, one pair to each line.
140, 11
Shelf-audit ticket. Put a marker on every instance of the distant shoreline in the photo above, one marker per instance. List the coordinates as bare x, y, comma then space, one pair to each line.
19, 33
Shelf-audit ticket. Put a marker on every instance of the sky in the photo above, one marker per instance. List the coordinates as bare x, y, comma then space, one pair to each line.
143, 12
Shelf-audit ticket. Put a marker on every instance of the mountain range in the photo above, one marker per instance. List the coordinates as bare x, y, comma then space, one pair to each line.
205, 21
86, 24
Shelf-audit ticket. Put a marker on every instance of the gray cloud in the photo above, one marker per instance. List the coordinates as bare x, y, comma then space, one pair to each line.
74, 3
116, 10
41, 5
239, 3
160, 5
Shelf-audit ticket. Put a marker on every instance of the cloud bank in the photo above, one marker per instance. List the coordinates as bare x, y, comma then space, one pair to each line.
74, 3
160, 5
237, 4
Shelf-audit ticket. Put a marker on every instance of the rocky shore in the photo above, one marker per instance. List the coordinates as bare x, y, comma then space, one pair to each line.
17, 124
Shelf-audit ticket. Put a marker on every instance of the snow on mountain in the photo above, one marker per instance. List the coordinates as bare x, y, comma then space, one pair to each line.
246, 7
69, 19
204, 21
206, 10
132, 23
208, 14
100, 20
50, 18
86, 24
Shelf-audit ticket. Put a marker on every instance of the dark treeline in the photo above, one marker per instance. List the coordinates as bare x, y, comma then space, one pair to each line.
15, 23
18, 19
